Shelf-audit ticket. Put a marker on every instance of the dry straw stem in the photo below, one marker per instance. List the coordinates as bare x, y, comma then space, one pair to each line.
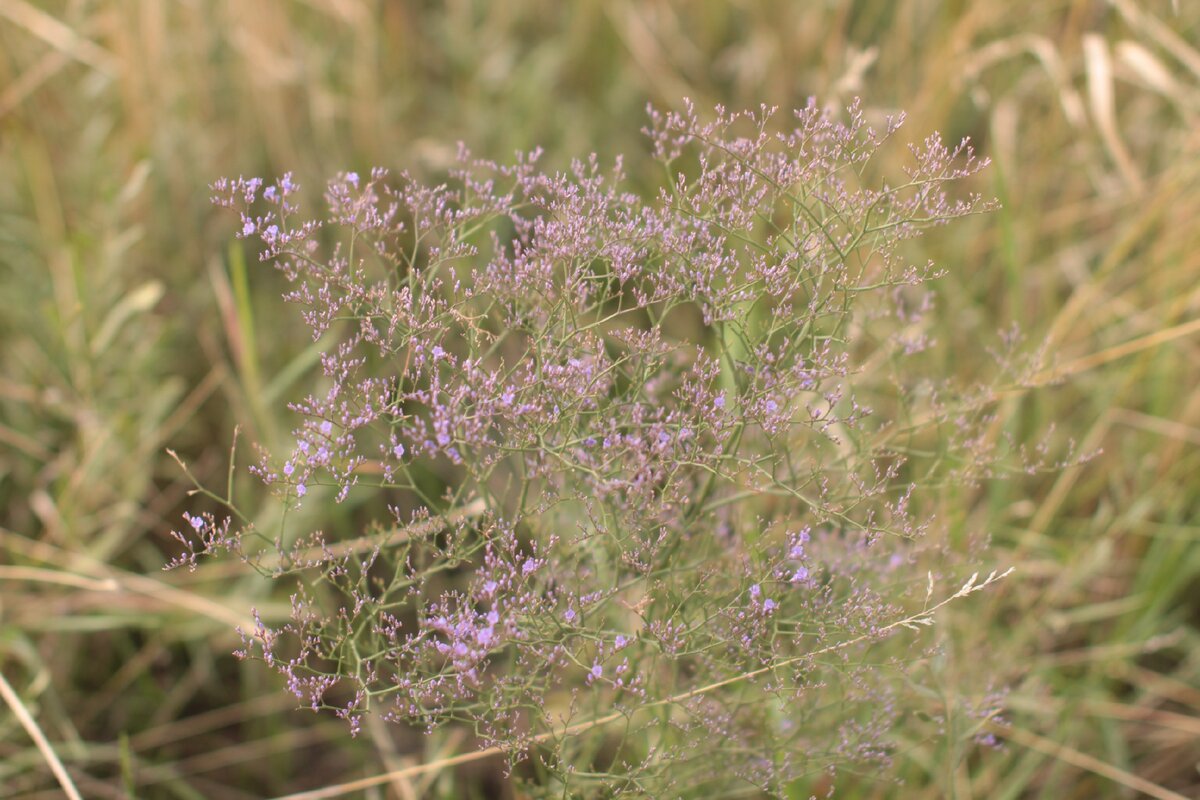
1154, 28
1160, 718
1075, 758
471, 510
35, 732
1080, 365
59, 36
107, 579
1103, 357
923, 618
1102, 99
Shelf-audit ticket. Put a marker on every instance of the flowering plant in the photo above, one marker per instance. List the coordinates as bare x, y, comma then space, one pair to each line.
649, 465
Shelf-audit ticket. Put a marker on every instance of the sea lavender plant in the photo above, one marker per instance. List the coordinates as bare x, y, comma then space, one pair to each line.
647, 462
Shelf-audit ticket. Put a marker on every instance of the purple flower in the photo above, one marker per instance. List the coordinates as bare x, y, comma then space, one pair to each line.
517, 545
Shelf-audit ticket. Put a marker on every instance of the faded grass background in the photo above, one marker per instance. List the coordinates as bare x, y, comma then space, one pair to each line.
131, 322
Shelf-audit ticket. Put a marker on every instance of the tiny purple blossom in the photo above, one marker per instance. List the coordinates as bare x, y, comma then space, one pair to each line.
525, 553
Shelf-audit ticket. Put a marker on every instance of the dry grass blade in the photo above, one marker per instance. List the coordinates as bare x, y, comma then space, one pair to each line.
108, 579
1151, 72
1151, 716
631, 22
1168, 428
1043, 49
1086, 762
1103, 103
13, 701
1155, 29
26, 444
205, 722
38, 575
365, 544
59, 36
46, 68
1110, 354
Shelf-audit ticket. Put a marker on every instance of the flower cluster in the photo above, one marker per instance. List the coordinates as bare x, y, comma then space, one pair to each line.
673, 490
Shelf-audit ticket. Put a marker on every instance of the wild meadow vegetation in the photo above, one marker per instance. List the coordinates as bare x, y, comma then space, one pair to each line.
694, 451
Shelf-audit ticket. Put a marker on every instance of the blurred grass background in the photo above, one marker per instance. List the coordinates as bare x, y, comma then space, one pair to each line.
128, 324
